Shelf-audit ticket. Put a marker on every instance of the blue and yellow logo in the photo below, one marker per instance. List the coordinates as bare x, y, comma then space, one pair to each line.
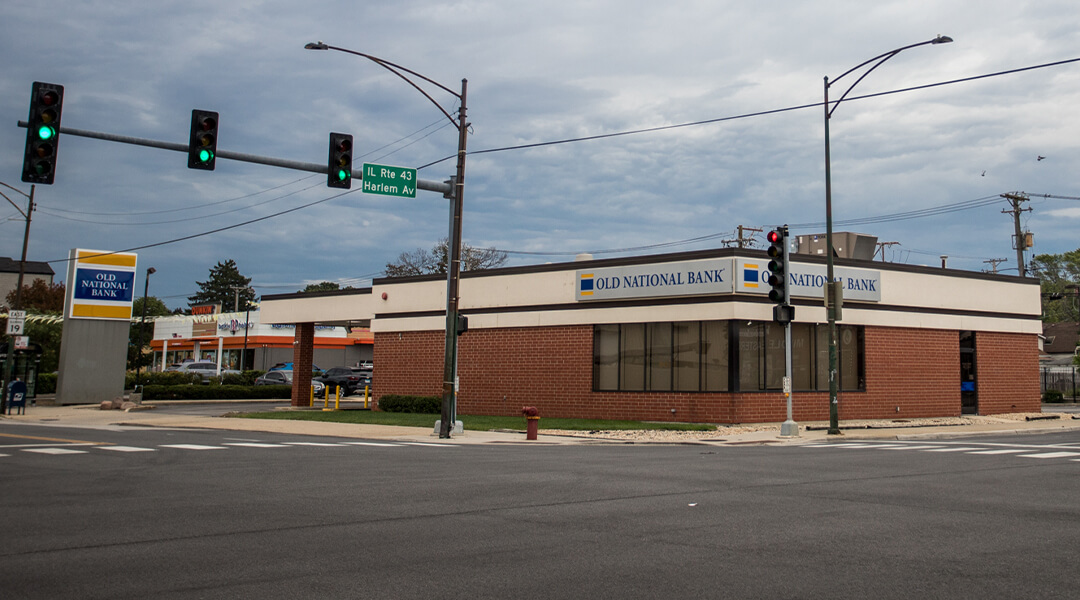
750, 275
586, 284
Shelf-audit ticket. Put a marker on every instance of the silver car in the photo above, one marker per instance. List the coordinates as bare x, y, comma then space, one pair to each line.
206, 370
283, 377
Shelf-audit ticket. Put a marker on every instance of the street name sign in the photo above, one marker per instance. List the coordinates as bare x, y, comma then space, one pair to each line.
389, 181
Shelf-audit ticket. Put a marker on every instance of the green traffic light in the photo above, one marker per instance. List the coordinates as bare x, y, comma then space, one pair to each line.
205, 156
342, 174
45, 132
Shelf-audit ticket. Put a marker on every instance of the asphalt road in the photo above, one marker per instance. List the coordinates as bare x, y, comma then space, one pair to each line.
140, 513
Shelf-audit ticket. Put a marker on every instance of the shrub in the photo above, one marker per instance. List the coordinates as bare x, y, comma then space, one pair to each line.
158, 378
1053, 396
244, 378
429, 405
46, 383
216, 392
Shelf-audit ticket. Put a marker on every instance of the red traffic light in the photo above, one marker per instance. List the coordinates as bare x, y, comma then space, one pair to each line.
773, 236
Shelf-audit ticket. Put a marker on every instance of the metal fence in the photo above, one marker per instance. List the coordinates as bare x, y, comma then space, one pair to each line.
1061, 378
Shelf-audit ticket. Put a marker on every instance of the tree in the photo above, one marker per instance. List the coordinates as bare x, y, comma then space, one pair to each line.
41, 296
425, 262
137, 342
222, 287
1059, 275
47, 299
324, 286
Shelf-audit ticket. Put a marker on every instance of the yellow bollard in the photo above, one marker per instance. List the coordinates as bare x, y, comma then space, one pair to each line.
367, 389
311, 400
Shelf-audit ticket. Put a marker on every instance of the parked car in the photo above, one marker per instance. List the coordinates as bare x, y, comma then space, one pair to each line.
206, 370
315, 370
349, 379
283, 377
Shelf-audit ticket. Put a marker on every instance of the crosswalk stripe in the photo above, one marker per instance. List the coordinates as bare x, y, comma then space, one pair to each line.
955, 449
1051, 455
53, 451
1006, 451
914, 448
126, 449
193, 447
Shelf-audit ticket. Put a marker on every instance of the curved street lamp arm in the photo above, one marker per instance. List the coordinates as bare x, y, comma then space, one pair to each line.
881, 58
396, 70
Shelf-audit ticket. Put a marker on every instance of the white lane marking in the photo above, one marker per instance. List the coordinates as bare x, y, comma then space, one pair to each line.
1006, 451
955, 449
430, 445
54, 451
914, 448
380, 444
255, 445
193, 447
1051, 455
312, 444
127, 449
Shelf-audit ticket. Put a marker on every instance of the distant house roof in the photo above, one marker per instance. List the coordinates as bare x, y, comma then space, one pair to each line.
9, 265
1061, 338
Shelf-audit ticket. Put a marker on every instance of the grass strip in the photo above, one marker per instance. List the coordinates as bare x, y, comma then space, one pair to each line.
470, 422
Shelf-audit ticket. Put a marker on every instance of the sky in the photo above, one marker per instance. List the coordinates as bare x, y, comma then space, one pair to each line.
743, 81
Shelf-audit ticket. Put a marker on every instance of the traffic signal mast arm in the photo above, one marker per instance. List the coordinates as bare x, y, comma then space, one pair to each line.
441, 187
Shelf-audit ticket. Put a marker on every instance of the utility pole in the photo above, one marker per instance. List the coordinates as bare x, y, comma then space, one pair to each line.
881, 246
1020, 242
742, 241
9, 362
994, 262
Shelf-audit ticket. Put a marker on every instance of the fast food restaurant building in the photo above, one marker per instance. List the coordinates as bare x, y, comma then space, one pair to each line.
690, 337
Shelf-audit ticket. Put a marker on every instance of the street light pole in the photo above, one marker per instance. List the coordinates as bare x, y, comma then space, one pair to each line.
457, 196
832, 293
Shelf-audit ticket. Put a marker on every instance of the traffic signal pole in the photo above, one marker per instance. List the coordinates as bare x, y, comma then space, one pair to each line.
442, 187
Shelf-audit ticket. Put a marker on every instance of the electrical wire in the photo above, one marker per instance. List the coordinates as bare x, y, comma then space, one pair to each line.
753, 114
238, 209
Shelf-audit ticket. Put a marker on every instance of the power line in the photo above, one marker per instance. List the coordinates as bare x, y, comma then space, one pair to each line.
753, 114
212, 231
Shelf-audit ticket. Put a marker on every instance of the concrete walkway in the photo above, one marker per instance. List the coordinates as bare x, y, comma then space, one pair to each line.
148, 416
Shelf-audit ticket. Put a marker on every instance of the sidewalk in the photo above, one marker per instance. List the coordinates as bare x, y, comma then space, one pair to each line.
765, 433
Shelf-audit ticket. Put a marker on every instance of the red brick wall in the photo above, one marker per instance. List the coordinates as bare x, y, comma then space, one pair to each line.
1007, 373
409, 363
502, 370
303, 355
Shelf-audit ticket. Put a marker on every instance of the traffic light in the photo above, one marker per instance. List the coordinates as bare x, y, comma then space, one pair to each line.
202, 146
778, 265
339, 163
783, 312
43, 133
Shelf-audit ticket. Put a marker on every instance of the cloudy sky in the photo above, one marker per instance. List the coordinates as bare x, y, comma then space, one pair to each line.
539, 72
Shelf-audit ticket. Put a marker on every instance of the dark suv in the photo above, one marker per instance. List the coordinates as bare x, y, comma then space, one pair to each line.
349, 379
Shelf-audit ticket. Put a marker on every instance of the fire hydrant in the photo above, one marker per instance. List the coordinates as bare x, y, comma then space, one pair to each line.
532, 418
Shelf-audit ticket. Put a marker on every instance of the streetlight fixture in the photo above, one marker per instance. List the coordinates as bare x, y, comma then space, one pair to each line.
832, 294
142, 328
449, 408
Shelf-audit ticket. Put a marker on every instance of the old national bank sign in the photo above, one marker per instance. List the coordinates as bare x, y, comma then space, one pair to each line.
719, 276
